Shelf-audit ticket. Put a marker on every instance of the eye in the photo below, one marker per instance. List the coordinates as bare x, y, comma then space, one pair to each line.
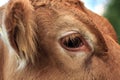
72, 42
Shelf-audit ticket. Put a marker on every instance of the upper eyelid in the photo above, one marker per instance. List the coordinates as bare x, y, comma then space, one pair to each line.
67, 33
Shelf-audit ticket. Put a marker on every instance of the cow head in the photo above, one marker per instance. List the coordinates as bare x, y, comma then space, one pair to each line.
62, 35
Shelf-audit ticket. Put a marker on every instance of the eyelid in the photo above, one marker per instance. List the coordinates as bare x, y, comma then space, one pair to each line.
68, 33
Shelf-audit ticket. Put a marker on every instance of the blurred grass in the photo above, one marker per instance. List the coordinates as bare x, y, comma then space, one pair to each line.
113, 15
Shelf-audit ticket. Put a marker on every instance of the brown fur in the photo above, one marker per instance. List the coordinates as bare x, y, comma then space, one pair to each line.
1, 60
34, 28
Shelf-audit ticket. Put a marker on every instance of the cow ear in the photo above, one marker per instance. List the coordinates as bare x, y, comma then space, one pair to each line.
20, 26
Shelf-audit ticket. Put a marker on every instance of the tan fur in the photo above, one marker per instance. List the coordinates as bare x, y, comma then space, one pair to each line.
30, 50
1, 60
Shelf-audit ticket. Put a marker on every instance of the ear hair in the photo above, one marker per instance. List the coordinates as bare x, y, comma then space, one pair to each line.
20, 25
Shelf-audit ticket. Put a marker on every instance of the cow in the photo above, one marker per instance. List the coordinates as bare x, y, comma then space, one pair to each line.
56, 40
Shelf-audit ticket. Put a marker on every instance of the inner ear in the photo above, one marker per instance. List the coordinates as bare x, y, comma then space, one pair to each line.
14, 39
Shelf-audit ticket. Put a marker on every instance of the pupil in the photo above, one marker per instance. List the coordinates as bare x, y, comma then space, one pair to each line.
73, 43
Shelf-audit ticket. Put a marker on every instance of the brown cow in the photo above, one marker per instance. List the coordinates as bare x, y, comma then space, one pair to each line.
56, 40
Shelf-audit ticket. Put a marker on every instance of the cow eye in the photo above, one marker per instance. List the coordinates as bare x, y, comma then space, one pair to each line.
72, 42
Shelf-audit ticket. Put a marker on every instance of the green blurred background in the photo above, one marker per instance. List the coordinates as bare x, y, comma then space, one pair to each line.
112, 13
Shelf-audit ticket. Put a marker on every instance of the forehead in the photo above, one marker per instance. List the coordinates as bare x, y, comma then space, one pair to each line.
52, 10
61, 18
52, 15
